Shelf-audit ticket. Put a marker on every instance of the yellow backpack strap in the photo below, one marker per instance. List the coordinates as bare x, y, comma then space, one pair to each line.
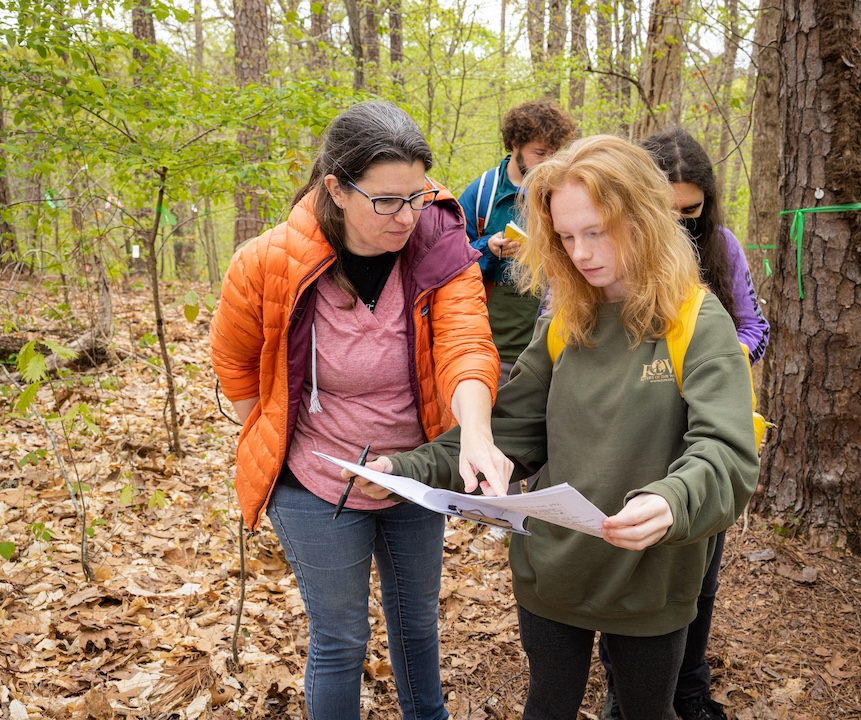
555, 340
759, 422
680, 335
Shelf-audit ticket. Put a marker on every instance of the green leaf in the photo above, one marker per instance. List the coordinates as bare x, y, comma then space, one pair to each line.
61, 350
127, 495
7, 549
191, 312
94, 86
27, 397
82, 410
210, 301
36, 369
191, 298
157, 500
25, 355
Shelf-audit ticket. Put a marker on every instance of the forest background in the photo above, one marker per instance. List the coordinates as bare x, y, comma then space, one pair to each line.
142, 141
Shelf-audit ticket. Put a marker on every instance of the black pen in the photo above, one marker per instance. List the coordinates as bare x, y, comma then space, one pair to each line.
346, 493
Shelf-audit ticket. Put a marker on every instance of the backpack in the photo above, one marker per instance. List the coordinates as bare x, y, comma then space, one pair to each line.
484, 200
677, 343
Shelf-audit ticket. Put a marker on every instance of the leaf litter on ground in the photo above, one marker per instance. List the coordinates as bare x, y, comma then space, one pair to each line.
151, 637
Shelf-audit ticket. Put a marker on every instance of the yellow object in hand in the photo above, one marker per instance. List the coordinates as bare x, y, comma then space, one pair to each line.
514, 232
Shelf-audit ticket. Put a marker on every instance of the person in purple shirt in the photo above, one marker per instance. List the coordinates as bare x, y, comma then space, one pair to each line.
725, 269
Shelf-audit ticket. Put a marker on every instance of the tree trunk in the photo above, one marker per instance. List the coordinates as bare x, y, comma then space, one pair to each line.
396, 43
371, 45
143, 28
213, 271
503, 53
810, 461
198, 36
730, 51
355, 36
320, 39
764, 211
535, 32
660, 75
557, 31
624, 64
604, 49
579, 60
8, 241
183, 242
251, 64
152, 268
431, 88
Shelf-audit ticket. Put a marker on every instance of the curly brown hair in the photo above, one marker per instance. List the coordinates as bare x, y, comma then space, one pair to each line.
537, 121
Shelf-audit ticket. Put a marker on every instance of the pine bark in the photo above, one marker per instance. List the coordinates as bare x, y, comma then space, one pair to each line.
810, 461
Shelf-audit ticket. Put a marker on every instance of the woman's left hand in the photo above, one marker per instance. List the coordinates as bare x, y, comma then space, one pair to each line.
640, 524
371, 489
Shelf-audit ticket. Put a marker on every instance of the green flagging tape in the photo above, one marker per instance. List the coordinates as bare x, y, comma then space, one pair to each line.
796, 230
761, 247
768, 271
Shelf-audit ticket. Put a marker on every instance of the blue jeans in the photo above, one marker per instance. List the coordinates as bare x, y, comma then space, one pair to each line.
331, 560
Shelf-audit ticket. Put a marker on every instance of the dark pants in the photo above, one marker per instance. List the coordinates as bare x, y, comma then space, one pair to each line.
560, 656
694, 676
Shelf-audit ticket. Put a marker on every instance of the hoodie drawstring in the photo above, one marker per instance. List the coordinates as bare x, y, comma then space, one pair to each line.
314, 406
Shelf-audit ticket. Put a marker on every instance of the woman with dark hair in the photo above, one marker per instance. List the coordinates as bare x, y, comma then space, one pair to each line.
361, 319
721, 256
725, 270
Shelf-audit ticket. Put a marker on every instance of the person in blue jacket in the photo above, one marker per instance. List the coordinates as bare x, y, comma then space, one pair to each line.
531, 133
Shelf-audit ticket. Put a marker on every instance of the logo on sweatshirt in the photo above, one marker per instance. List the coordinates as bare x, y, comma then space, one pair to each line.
660, 370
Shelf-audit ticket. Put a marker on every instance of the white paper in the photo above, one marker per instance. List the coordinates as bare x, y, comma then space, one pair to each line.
560, 505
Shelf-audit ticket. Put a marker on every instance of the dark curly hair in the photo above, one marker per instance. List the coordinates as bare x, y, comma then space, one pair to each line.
537, 121
684, 161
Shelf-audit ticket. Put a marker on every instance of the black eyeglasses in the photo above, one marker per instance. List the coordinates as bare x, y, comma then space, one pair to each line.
391, 204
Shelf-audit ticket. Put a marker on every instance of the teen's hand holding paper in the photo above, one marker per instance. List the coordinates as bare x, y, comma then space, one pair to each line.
640, 524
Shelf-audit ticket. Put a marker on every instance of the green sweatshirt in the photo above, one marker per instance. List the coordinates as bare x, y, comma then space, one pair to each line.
609, 421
